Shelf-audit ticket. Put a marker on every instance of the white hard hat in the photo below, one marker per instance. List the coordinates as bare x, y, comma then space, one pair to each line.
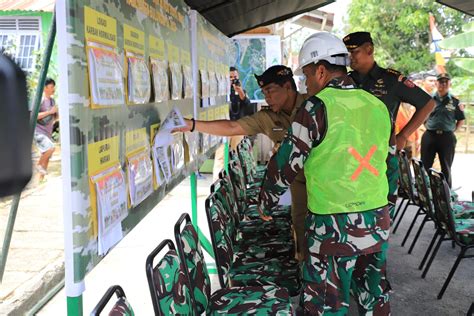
322, 46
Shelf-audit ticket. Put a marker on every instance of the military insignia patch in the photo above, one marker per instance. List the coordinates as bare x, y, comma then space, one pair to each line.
393, 71
409, 83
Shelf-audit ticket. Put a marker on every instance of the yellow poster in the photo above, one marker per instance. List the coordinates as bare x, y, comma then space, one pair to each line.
102, 154
136, 140
185, 58
156, 47
134, 39
99, 27
173, 53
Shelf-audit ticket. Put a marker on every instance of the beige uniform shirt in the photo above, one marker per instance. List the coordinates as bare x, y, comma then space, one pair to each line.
275, 125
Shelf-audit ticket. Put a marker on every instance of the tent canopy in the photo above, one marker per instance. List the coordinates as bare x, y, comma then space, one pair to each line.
465, 6
232, 17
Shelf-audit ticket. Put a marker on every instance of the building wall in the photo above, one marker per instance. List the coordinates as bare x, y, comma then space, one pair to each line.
46, 19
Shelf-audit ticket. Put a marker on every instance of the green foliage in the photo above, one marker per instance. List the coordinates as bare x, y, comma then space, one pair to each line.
400, 30
33, 76
463, 88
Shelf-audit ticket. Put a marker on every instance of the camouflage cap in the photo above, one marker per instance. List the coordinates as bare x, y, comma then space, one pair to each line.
356, 39
274, 74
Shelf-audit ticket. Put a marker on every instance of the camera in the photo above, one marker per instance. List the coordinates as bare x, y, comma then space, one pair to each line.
236, 82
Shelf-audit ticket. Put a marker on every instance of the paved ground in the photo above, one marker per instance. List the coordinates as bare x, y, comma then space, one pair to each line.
36, 255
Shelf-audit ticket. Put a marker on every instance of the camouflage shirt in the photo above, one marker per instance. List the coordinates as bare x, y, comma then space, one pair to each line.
337, 234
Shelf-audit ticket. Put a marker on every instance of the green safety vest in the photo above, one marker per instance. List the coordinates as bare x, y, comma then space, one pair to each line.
345, 173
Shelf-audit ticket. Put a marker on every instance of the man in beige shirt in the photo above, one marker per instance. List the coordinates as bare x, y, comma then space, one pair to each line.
279, 89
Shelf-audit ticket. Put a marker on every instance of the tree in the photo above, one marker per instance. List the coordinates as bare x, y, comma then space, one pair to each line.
400, 30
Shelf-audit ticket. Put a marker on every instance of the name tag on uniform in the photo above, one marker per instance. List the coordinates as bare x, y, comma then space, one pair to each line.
277, 129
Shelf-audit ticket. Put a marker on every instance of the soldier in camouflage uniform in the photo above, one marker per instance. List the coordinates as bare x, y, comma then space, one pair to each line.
348, 222
391, 87
280, 92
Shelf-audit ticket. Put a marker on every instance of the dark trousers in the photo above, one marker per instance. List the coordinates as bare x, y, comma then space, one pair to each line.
443, 144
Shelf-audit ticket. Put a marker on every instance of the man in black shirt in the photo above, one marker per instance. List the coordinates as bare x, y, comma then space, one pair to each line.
391, 87
239, 101
239, 104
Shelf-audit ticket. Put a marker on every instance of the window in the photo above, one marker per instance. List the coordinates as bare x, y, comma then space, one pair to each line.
21, 37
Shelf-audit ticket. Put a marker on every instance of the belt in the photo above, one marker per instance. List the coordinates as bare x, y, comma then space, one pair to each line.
438, 131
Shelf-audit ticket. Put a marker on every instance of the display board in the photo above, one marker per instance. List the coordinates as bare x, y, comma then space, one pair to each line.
252, 54
127, 67
212, 64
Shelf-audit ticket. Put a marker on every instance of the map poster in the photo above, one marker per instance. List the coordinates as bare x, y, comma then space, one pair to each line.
105, 78
139, 85
253, 54
140, 177
159, 70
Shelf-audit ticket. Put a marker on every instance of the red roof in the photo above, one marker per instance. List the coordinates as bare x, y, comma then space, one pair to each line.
27, 5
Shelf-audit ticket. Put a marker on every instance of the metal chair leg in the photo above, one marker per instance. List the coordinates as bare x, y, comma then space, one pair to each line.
428, 251
451, 273
400, 218
425, 219
470, 312
433, 255
398, 208
418, 213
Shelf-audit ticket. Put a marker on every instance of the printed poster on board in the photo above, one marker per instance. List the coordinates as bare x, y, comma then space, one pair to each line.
176, 81
105, 78
188, 82
111, 207
139, 83
140, 177
159, 70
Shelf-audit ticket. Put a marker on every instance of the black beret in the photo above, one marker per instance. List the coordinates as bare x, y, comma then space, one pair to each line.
274, 74
356, 39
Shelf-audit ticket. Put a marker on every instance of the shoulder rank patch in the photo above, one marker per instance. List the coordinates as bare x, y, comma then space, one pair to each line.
409, 83
393, 71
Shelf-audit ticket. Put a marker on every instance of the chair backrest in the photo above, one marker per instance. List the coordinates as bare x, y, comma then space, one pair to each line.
121, 306
192, 258
225, 193
442, 203
240, 188
423, 188
406, 179
168, 282
221, 241
247, 161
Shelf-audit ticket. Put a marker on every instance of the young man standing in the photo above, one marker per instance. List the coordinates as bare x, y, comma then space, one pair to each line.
44, 128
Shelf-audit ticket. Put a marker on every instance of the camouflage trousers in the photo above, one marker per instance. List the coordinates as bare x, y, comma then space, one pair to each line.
393, 174
328, 282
